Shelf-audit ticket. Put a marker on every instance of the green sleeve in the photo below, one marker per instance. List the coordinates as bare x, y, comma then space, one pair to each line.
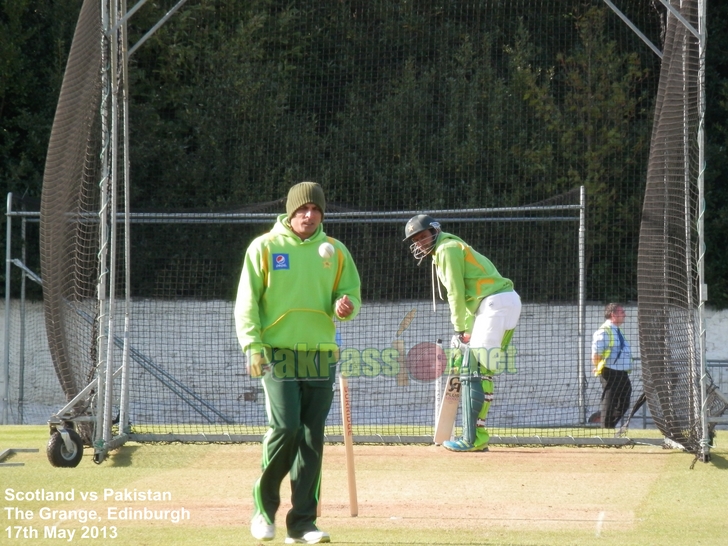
450, 263
349, 284
250, 292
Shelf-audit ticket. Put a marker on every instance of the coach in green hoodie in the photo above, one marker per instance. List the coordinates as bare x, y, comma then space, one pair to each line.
295, 281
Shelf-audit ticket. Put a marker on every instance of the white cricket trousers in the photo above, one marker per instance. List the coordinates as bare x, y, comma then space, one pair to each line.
496, 315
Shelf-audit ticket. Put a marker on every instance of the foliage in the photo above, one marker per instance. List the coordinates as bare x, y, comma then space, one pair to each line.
232, 104
35, 38
716, 173
34, 41
492, 110
595, 133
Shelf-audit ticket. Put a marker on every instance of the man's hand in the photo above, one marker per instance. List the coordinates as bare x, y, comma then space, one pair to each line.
458, 338
343, 307
257, 365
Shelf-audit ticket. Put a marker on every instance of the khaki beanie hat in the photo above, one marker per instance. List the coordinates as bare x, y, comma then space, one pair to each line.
305, 192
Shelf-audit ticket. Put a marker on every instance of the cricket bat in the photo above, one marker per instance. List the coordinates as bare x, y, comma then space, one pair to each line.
348, 444
450, 402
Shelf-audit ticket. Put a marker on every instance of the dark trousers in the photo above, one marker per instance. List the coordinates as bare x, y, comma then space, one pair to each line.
616, 395
297, 411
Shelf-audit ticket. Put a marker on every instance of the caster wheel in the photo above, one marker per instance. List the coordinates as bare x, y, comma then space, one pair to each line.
59, 455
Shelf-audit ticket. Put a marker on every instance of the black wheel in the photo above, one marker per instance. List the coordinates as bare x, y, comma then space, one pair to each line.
60, 455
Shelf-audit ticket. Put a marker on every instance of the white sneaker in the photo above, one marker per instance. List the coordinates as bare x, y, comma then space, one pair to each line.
261, 529
312, 537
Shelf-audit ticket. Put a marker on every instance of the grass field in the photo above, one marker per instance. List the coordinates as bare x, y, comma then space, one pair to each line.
407, 495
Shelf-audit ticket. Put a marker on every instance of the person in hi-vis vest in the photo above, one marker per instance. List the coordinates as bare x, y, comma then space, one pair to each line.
612, 359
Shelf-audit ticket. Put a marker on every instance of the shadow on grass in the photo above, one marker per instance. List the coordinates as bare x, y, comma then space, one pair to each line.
122, 456
718, 461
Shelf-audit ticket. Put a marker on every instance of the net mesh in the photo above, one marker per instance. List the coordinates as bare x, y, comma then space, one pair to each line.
395, 108
69, 211
188, 369
34, 391
669, 285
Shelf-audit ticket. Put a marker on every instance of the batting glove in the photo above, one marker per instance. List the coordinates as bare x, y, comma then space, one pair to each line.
454, 361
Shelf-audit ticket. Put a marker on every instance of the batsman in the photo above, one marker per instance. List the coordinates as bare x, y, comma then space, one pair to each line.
484, 311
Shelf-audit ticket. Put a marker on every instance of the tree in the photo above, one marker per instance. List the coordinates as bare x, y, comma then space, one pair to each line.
35, 38
34, 41
716, 155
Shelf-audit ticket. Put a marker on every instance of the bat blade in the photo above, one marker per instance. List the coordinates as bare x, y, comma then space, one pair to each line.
348, 444
450, 402
448, 409
406, 321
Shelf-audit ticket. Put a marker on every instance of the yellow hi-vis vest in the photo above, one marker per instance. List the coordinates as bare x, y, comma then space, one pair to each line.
605, 355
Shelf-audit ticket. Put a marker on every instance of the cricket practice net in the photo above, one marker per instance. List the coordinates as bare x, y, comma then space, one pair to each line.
524, 130
671, 252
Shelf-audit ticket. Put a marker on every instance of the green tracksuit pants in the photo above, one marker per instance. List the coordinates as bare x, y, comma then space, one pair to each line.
297, 411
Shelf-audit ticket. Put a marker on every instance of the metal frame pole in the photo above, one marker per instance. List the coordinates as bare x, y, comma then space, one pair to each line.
23, 308
124, 395
581, 334
5, 372
104, 213
702, 33
113, 188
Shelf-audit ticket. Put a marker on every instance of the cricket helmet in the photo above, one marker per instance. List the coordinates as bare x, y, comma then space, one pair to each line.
418, 224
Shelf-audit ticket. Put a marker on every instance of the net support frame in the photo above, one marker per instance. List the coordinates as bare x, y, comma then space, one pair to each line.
5, 398
115, 166
119, 6
704, 453
166, 218
5, 370
700, 395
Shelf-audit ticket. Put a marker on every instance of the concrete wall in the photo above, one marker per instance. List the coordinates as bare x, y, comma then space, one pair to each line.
195, 342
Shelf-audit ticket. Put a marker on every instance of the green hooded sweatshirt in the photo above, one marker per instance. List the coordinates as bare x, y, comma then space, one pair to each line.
468, 277
287, 291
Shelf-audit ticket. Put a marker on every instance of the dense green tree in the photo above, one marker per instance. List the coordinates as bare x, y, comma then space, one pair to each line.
34, 41
232, 102
35, 38
596, 127
716, 174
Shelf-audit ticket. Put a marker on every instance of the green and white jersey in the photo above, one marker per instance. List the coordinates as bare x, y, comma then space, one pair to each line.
468, 277
287, 291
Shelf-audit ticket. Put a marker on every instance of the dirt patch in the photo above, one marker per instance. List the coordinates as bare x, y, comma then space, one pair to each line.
428, 487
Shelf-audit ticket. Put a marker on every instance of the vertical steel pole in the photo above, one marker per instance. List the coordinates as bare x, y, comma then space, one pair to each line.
581, 333
124, 394
702, 32
113, 224
21, 346
104, 188
5, 372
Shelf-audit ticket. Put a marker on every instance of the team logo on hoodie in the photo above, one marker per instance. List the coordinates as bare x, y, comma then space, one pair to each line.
280, 261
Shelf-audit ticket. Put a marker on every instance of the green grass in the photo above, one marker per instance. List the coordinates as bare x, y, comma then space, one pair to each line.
181, 430
419, 495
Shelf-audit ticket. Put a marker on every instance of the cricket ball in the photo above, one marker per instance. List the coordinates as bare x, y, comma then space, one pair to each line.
326, 250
